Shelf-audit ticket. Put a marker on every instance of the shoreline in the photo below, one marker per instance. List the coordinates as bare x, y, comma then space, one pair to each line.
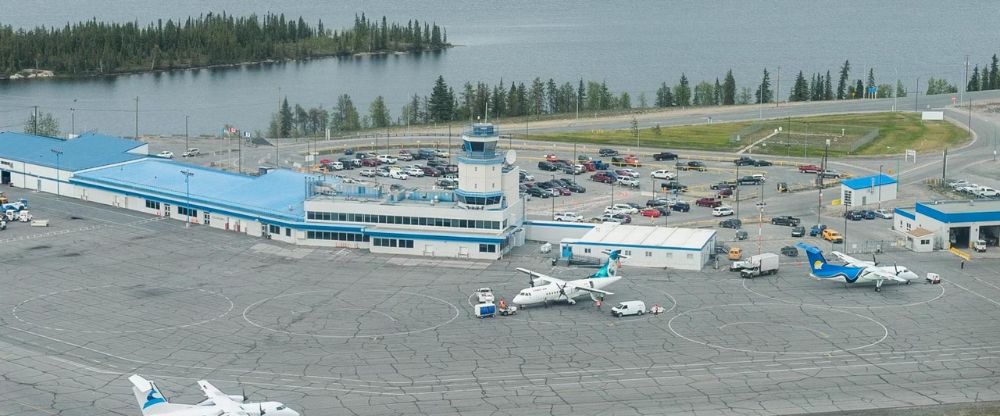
57, 76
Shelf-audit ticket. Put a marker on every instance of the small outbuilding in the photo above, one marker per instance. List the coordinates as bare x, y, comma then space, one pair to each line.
661, 247
867, 190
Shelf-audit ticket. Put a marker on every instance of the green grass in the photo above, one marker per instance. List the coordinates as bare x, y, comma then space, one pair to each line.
700, 137
799, 136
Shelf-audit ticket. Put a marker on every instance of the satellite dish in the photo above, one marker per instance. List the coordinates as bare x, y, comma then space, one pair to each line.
511, 157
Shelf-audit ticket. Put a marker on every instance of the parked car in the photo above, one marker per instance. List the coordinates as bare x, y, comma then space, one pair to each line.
830, 173
743, 161
708, 202
816, 230
568, 217
349, 151
742, 235
525, 177
576, 188
664, 156
759, 162
368, 172
722, 211
832, 236
658, 202
673, 186
651, 212
619, 218
370, 162
734, 223
790, 251
602, 177
166, 154
868, 214
883, 213
696, 165
347, 162
548, 166
663, 174
627, 172
405, 157
680, 206
606, 152
630, 182
446, 183
809, 169
425, 154
441, 153
798, 231
627, 160
723, 185
785, 220
386, 159
632, 307
485, 295
416, 172
854, 215
192, 152
749, 180
626, 208
539, 192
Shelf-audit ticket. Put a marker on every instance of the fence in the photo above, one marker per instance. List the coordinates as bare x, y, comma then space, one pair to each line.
874, 246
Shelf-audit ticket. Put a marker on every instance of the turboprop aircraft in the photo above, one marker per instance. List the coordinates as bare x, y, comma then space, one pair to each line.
217, 403
895, 269
545, 288
820, 269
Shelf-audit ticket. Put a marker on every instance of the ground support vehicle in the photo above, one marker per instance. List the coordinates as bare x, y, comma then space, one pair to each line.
759, 265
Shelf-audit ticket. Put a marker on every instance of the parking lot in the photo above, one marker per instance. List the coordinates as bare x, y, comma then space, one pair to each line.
103, 293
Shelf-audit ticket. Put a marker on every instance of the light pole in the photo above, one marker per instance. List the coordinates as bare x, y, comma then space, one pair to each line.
916, 94
819, 181
58, 153
72, 118
879, 184
187, 137
736, 192
187, 192
553, 198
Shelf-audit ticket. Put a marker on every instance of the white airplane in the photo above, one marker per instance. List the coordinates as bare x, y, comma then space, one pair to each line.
895, 269
152, 402
558, 290
862, 272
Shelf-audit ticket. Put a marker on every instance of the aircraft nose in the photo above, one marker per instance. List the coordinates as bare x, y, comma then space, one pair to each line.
517, 300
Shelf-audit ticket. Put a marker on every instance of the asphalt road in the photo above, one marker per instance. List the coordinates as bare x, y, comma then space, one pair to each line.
104, 293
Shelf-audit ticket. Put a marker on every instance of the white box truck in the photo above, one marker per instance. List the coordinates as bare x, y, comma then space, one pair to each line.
761, 264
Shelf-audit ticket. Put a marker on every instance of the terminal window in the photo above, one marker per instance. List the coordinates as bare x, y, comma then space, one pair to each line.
487, 248
187, 211
152, 204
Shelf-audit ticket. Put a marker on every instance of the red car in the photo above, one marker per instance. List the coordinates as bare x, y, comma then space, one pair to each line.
602, 177
563, 191
708, 202
551, 157
725, 192
651, 212
370, 162
809, 169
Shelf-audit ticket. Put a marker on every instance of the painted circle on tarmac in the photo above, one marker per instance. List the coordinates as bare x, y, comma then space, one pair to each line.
112, 309
810, 292
350, 313
778, 328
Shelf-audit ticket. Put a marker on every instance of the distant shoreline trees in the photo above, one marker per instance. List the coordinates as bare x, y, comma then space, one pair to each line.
540, 97
96, 48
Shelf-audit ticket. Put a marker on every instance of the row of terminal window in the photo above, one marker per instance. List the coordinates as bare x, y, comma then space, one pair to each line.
392, 242
648, 253
396, 219
487, 248
330, 235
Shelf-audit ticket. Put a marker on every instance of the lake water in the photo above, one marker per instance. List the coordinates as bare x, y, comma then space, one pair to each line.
632, 45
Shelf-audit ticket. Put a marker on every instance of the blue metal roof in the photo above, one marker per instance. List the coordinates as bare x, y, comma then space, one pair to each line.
868, 181
956, 212
277, 194
90, 150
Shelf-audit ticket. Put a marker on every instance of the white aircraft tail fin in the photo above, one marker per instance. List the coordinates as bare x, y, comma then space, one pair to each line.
151, 401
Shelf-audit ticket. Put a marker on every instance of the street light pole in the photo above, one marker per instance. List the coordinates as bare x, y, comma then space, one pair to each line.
187, 192
879, 183
916, 94
72, 118
187, 137
58, 153
737, 192
553, 201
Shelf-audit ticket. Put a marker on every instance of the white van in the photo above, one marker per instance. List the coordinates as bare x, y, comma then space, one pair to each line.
632, 307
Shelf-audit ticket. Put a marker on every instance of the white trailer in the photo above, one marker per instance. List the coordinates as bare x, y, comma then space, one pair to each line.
761, 264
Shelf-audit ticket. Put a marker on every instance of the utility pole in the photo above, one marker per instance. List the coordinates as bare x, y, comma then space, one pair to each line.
187, 137
137, 117
72, 118
34, 122
944, 165
737, 191
777, 87
961, 94
879, 184
916, 95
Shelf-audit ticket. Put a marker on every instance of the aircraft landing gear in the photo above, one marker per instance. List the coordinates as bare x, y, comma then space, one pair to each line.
571, 301
878, 285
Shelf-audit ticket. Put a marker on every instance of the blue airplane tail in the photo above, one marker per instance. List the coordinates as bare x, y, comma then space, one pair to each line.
823, 270
610, 266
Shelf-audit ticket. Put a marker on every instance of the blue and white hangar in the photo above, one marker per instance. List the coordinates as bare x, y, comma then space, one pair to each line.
940, 225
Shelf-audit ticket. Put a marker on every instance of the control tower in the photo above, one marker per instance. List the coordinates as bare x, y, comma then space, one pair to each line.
481, 169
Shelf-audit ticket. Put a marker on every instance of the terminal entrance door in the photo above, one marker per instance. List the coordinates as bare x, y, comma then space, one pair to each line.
5, 177
166, 210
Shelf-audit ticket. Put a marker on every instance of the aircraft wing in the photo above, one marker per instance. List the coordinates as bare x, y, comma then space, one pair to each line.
224, 403
592, 290
885, 275
541, 276
851, 261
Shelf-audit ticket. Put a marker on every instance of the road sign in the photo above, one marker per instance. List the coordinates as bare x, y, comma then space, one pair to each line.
246, 134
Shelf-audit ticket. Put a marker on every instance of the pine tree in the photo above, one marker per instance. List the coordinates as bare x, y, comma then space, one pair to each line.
441, 103
859, 89
47, 125
729, 89
842, 85
763, 93
973, 84
682, 92
581, 94
800, 90
828, 87
871, 82
717, 96
379, 113
994, 82
285, 119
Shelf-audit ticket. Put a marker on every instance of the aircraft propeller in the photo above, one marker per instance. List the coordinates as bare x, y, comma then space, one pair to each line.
874, 262
562, 290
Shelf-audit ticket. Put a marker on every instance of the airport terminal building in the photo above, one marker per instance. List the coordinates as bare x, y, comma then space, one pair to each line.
482, 219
